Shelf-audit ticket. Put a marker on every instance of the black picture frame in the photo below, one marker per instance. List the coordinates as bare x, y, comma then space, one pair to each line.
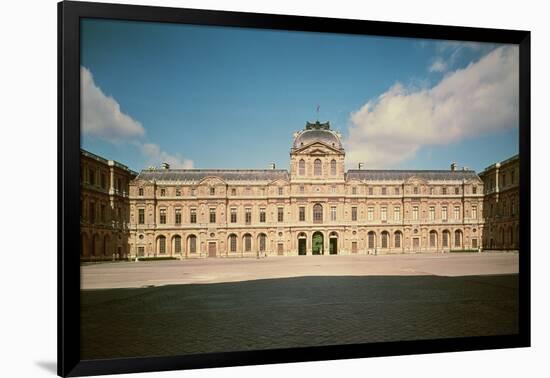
69, 15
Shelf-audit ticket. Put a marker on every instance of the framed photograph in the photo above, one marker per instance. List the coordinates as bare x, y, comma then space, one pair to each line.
239, 188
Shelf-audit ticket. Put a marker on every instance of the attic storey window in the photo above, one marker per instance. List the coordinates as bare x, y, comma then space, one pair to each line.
140, 192
302, 167
317, 169
212, 190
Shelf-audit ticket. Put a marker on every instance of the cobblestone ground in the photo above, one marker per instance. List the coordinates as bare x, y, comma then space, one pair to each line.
294, 312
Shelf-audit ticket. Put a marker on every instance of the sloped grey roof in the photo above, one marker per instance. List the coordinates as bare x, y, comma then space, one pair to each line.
401, 175
228, 175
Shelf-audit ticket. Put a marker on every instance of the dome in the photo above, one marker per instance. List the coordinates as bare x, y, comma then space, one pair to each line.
317, 132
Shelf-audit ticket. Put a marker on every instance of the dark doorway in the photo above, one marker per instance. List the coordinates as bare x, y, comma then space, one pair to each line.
333, 246
317, 243
302, 246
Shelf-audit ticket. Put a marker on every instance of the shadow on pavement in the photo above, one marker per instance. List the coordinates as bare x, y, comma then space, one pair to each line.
294, 312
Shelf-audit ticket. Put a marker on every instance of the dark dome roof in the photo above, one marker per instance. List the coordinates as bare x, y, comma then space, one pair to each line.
317, 132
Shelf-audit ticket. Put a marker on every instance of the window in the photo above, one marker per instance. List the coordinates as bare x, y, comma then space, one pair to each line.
102, 214
233, 243
333, 189
91, 176
444, 213
162, 245
432, 213
333, 213
162, 192
193, 192
371, 191
457, 190
396, 213
503, 179
474, 189
317, 213
384, 213
370, 213
512, 208
233, 215
162, 216
233, 192
193, 216
177, 216
262, 242
248, 215
433, 238
262, 215
474, 243
354, 213
302, 167
474, 212
396, 190
445, 239
384, 239
141, 251
384, 191
370, 239
280, 214
178, 192
192, 244
415, 190
457, 212
177, 244
141, 216
140, 192
512, 174
103, 181
353, 247
248, 190
212, 190
333, 167
302, 214
415, 212
212, 215
280, 249
118, 185
301, 189
92, 212
262, 190
280, 190
317, 170
444, 191
432, 191
458, 238
247, 243
397, 240
354, 190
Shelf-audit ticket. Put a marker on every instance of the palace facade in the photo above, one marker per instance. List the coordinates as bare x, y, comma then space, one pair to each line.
104, 208
501, 204
315, 208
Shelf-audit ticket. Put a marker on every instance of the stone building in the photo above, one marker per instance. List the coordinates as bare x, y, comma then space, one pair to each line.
104, 205
501, 204
317, 207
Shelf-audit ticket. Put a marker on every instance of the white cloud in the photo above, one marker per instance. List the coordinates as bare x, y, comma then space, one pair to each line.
101, 115
438, 65
476, 100
155, 156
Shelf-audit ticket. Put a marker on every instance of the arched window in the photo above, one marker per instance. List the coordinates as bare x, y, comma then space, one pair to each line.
162, 245
262, 240
458, 238
302, 167
333, 167
177, 244
397, 239
247, 243
371, 239
385, 237
317, 170
446, 237
192, 244
233, 243
317, 213
433, 239
105, 245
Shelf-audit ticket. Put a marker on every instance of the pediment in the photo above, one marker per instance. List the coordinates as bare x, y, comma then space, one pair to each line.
415, 180
318, 148
211, 180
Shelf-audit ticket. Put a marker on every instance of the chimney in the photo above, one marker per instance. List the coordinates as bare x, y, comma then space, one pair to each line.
165, 166
272, 166
453, 166
360, 166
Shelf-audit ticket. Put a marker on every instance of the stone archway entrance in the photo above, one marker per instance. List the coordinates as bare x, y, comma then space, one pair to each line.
317, 243
333, 243
302, 242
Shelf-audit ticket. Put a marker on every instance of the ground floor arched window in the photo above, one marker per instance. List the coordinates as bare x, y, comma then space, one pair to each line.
371, 238
162, 245
192, 240
233, 243
384, 239
397, 239
177, 244
263, 242
458, 238
433, 239
445, 239
247, 243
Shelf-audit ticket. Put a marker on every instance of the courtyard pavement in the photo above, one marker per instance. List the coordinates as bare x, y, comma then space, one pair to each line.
182, 307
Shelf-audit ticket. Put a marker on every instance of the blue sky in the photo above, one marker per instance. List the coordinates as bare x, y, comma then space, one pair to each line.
218, 97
